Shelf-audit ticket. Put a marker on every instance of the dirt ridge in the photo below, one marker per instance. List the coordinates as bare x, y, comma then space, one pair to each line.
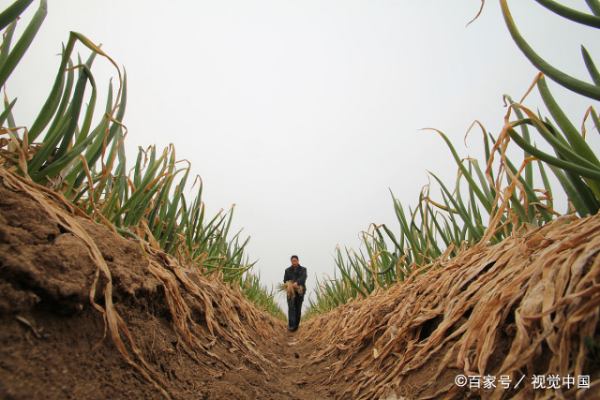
54, 343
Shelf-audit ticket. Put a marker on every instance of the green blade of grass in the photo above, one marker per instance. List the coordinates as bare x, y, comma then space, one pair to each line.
574, 84
12, 12
24, 41
571, 14
591, 66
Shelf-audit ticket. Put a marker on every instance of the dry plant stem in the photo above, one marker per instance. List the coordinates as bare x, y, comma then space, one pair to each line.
490, 310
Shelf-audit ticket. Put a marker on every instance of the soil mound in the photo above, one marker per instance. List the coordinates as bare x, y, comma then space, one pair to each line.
134, 324
527, 306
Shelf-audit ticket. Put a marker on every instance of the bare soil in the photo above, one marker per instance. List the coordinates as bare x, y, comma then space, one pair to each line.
53, 344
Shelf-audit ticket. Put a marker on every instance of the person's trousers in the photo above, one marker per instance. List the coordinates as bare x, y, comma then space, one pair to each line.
294, 311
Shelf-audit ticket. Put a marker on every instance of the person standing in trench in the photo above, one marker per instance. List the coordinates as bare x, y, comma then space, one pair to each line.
297, 274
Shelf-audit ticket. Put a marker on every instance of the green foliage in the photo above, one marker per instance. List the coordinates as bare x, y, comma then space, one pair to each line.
591, 90
484, 205
67, 150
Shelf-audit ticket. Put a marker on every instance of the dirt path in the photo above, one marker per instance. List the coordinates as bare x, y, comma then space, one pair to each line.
290, 377
45, 357
299, 376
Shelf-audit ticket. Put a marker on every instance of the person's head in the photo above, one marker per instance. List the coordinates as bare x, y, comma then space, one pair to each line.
294, 260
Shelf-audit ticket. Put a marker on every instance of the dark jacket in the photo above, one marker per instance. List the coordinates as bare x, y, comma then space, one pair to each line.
297, 275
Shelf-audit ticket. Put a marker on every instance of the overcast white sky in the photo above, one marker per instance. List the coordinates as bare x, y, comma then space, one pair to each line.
304, 113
